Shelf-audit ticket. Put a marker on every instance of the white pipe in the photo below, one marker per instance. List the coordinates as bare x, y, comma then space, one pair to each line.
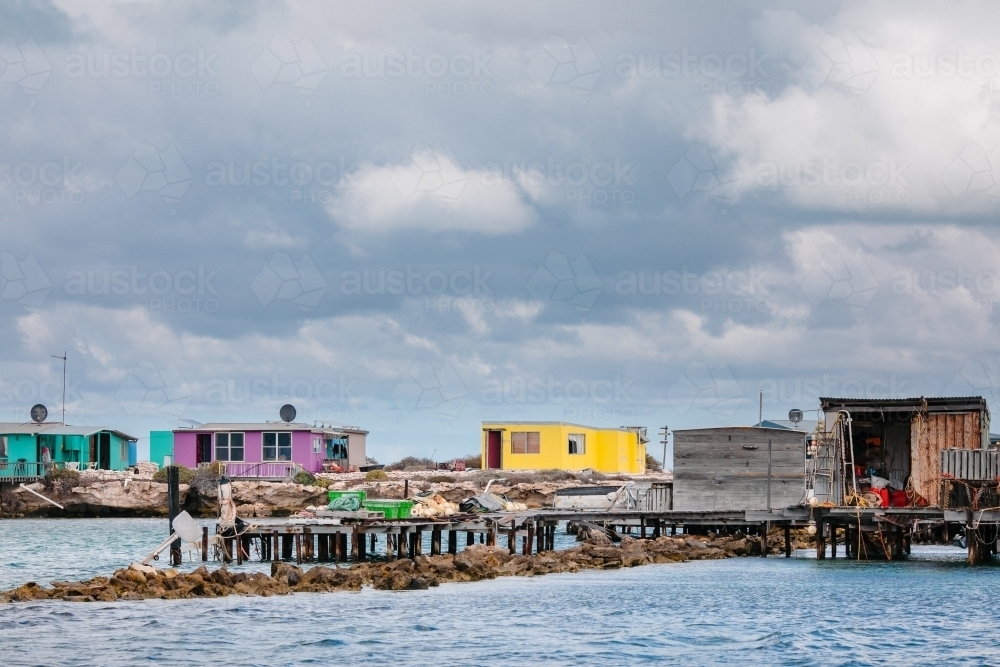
41, 496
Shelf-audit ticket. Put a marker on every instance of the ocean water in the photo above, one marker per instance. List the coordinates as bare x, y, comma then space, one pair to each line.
932, 609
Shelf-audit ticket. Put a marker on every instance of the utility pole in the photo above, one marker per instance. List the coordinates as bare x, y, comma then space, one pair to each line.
665, 431
760, 407
63, 357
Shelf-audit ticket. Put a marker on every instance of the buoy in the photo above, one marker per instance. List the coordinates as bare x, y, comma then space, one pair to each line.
811, 528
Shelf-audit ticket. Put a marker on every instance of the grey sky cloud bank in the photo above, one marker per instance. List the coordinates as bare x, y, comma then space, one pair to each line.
417, 219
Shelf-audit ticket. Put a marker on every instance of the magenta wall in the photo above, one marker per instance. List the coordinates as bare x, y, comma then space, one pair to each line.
184, 449
185, 453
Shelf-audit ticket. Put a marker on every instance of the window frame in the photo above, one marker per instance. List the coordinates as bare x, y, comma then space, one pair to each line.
577, 441
522, 442
277, 447
229, 446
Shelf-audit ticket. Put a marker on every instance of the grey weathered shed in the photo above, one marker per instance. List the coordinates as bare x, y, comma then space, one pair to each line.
727, 468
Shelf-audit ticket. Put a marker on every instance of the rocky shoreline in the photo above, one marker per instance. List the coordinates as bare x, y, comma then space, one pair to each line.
122, 494
475, 563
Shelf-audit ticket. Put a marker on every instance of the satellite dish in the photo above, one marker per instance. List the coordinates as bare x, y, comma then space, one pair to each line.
795, 416
287, 412
39, 413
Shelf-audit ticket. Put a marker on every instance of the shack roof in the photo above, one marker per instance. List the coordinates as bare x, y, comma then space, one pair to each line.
57, 428
932, 404
269, 426
745, 430
529, 422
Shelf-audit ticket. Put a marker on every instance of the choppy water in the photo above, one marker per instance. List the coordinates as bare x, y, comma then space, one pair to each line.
932, 609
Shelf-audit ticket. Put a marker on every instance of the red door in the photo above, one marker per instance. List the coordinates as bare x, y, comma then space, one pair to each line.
493, 446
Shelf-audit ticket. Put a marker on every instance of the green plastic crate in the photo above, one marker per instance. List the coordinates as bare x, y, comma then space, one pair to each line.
361, 493
392, 509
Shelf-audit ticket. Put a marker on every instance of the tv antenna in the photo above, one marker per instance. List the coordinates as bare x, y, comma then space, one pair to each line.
63, 357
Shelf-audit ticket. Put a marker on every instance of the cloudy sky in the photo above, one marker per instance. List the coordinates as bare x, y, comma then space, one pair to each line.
414, 218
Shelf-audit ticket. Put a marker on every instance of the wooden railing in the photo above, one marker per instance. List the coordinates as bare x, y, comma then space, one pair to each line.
970, 464
266, 470
21, 471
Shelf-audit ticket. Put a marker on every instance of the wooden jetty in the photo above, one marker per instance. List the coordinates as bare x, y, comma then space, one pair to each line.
533, 531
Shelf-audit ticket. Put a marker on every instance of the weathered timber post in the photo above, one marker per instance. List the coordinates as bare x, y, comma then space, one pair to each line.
204, 543
788, 542
820, 538
298, 548
286, 547
539, 537
512, 539
324, 548
528, 539
470, 538
436, 542
452, 542
418, 547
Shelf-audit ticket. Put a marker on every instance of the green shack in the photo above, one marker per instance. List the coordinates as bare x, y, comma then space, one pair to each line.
23, 447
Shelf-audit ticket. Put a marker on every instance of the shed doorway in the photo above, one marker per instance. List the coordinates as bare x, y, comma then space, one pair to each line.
203, 448
104, 451
494, 448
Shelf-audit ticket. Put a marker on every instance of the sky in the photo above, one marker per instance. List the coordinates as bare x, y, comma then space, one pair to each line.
414, 218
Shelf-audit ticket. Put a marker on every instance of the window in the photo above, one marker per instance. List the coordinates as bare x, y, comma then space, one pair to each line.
525, 442
228, 446
277, 447
3, 446
317, 445
336, 448
577, 443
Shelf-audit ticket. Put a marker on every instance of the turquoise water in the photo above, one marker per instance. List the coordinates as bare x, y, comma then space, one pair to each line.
932, 609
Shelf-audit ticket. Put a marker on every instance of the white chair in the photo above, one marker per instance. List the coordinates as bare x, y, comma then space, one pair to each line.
72, 465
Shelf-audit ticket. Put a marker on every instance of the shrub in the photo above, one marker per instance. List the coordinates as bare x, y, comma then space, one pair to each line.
205, 479
184, 476
376, 476
304, 477
371, 461
437, 479
412, 463
652, 463
61, 480
473, 461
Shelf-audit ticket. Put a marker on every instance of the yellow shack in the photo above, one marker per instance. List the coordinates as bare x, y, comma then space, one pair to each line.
563, 446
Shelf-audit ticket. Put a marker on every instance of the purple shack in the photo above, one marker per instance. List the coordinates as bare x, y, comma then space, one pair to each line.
270, 449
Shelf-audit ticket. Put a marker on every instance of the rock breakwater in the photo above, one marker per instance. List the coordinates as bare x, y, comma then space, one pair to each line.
476, 563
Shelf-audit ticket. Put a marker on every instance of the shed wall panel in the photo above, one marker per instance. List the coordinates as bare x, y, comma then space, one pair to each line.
726, 469
930, 435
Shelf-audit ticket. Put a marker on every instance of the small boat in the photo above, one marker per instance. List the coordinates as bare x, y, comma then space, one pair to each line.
586, 497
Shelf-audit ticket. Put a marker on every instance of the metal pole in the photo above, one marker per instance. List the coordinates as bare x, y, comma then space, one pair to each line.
760, 407
666, 433
63, 357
